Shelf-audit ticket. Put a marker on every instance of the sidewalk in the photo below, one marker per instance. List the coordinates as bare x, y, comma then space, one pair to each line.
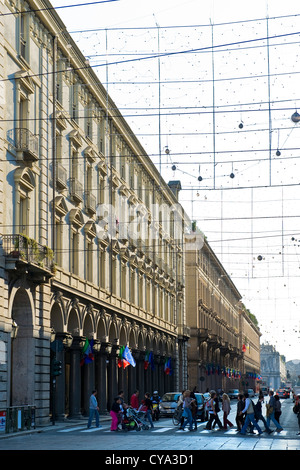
57, 425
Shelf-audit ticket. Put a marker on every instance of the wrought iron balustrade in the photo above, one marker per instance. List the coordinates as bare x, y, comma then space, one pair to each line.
25, 141
23, 248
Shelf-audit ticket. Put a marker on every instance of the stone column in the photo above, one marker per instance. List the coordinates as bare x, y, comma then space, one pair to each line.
61, 343
75, 377
112, 375
101, 378
88, 372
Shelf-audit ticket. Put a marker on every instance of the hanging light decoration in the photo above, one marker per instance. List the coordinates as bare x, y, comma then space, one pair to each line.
295, 117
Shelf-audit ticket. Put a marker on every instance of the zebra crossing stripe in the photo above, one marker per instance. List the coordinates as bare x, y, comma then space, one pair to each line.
162, 430
72, 429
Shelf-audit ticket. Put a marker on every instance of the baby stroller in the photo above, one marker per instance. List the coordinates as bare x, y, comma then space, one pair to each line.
135, 420
127, 423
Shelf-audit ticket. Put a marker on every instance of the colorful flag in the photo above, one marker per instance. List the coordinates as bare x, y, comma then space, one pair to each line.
151, 360
127, 356
121, 360
146, 360
87, 352
168, 366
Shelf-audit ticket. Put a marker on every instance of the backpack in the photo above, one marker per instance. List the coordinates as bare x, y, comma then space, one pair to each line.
256, 410
296, 408
208, 405
194, 408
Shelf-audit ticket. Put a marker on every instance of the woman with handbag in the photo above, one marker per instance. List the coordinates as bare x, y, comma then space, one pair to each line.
271, 412
226, 410
213, 415
277, 408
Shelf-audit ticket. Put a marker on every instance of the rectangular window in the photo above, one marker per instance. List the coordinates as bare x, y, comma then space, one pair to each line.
89, 260
58, 247
74, 252
23, 36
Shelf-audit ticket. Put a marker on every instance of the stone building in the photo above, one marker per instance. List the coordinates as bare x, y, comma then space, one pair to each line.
218, 324
92, 237
273, 368
250, 341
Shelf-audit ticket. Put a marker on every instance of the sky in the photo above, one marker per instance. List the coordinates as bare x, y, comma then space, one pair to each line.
210, 89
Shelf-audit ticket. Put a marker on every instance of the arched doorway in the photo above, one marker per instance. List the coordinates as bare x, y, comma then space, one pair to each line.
22, 351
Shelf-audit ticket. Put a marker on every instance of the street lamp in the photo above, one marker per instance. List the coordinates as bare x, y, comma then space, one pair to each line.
14, 330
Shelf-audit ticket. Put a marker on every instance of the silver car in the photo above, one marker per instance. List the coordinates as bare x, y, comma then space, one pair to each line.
169, 403
233, 393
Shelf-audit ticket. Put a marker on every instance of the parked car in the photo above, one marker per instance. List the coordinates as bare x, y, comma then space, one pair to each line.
251, 393
169, 403
233, 393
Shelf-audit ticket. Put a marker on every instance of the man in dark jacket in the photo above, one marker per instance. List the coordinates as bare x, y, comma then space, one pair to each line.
258, 414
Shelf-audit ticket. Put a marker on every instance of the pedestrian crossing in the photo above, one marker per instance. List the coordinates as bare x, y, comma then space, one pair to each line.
164, 429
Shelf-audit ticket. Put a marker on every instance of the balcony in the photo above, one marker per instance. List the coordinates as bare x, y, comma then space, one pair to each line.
90, 202
61, 175
27, 144
76, 190
24, 255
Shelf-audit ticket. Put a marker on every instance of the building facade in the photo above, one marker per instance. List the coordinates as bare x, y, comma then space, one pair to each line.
92, 256
273, 368
250, 341
218, 324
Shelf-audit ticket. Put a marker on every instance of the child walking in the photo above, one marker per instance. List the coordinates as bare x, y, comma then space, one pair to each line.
114, 413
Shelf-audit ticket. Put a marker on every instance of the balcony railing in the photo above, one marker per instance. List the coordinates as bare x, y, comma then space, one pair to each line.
61, 175
22, 248
76, 189
27, 143
90, 201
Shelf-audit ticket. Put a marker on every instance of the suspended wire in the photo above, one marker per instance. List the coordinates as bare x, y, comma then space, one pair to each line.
32, 10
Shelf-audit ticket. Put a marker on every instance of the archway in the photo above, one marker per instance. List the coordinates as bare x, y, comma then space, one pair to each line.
22, 351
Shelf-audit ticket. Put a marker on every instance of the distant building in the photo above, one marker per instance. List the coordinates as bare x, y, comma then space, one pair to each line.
223, 350
273, 368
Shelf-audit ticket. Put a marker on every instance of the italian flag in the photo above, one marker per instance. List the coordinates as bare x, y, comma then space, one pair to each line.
121, 361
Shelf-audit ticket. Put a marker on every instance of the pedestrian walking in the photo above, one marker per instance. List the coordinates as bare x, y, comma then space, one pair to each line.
134, 400
114, 413
187, 410
270, 412
258, 413
250, 417
240, 417
94, 410
180, 406
217, 408
226, 410
296, 410
213, 415
277, 408
194, 408
148, 406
